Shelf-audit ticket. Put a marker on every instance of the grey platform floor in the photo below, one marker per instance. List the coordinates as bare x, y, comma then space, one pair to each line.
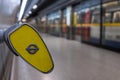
73, 61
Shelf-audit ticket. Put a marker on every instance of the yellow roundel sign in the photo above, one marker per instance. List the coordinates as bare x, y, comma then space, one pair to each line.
27, 43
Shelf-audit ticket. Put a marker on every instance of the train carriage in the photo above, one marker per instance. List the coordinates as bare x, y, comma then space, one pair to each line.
94, 22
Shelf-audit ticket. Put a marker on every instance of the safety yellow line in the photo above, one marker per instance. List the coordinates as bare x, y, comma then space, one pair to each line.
64, 25
97, 25
88, 25
78, 25
111, 24
93, 25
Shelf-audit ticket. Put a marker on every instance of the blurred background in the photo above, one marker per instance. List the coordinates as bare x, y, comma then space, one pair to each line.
83, 37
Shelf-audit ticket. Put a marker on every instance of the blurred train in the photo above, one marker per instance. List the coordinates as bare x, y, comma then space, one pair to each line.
91, 21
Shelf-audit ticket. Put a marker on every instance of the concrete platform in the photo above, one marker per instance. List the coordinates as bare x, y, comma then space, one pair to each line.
73, 61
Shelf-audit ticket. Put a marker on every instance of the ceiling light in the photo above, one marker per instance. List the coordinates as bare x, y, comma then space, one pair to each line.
23, 20
22, 9
35, 7
30, 12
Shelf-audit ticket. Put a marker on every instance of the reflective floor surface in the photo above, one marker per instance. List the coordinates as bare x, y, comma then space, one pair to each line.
73, 61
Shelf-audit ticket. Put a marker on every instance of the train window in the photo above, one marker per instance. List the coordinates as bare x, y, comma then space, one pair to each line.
81, 19
116, 17
95, 25
64, 19
108, 17
50, 21
88, 17
43, 21
96, 17
57, 22
79, 15
64, 22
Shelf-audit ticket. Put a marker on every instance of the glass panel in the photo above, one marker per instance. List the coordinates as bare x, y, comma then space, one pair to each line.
107, 18
50, 23
86, 25
116, 17
64, 22
95, 25
42, 23
79, 19
91, 24
111, 29
54, 23
87, 21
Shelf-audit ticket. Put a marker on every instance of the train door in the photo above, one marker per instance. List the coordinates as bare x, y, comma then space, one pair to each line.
78, 21
53, 26
47, 24
39, 23
107, 19
43, 24
50, 23
86, 25
112, 25
95, 25
57, 26
64, 24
